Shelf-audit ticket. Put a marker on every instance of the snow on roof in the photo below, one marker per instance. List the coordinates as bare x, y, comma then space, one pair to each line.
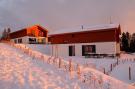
85, 28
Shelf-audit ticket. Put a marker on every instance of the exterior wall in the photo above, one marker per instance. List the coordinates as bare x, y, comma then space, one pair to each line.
25, 39
62, 50
31, 31
17, 34
36, 29
117, 48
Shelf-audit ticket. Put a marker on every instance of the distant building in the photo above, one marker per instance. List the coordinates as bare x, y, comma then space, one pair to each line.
84, 41
31, 35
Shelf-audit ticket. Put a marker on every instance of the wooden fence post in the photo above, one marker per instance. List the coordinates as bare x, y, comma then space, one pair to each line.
129, 73
59, 63
78, 71
117, 61
111, 67
70, 65
104, 70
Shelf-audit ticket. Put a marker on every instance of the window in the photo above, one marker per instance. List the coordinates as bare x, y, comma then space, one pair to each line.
32, 40
33, 32
40, 33
19, 40
15, 41
88, 49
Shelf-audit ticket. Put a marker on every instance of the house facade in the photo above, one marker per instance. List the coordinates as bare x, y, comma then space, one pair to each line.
95, 40
31, 35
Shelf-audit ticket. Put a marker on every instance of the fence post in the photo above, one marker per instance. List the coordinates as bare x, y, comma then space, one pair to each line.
129, 73
104, 70
70, 68
70, 65
78, 71
59, 63
111, 67
117, 61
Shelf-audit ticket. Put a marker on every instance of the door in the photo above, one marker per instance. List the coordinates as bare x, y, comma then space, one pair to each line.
71, 50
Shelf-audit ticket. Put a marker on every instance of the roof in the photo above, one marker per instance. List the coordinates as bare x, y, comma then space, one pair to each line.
40, 27
85, 28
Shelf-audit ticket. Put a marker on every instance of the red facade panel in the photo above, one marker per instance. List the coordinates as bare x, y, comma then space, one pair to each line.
18, 34
110, 35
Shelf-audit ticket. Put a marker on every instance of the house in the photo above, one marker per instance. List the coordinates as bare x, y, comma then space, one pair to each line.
86, 41
31, 35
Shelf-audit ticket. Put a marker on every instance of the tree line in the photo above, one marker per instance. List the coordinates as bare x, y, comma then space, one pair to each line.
6, 34
128, 42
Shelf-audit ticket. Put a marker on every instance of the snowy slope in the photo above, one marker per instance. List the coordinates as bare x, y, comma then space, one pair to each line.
19, 71
45, 49
90, 78
120, 72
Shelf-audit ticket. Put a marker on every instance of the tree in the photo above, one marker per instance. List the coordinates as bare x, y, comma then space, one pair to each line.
6, 34
132, 43
125, 40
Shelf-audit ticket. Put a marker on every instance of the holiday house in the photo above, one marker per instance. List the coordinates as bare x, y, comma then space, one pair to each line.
31, 35
100, 40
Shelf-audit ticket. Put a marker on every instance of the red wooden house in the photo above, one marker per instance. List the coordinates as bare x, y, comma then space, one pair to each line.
32, 35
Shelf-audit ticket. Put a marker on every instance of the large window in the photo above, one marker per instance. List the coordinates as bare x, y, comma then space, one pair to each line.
88, 49
32, 40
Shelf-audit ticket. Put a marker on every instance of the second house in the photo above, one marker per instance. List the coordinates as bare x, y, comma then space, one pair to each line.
31, 35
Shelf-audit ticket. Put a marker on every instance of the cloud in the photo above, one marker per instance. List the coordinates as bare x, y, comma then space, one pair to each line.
58, 14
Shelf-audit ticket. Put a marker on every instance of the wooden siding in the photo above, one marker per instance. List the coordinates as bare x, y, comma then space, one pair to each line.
37, 30
110, 35
33, 31
18, 34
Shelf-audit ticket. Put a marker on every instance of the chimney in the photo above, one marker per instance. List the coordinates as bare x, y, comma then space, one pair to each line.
82, 27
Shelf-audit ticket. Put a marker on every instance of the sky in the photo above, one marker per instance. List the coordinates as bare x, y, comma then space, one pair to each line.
61, 14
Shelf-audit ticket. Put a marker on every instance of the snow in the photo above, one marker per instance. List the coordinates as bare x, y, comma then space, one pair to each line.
86, 28
45, 49
36, 73
19, 71
119, 72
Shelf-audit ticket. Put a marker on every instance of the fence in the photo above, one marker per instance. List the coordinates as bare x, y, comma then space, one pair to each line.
87, 76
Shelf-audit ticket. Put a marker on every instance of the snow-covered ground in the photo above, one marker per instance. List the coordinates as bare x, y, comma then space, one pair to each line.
45, 49
19, 70
120, 72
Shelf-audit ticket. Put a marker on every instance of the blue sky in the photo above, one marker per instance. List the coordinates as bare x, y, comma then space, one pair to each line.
59, 14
